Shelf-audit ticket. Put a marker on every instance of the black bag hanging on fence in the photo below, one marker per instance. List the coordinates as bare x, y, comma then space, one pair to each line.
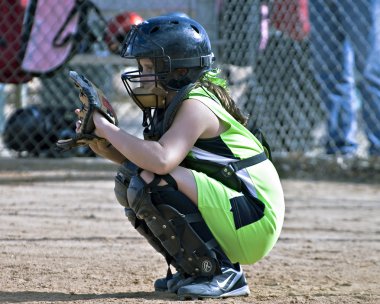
35, 129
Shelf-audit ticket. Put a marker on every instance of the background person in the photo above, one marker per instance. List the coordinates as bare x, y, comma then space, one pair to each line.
345, 43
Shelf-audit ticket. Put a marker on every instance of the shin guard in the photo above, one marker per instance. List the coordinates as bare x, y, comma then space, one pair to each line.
172, 229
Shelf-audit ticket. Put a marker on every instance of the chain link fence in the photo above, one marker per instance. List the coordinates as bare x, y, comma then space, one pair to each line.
291, 65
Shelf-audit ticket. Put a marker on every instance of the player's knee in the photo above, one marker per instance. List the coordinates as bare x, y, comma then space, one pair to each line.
148, 178
122, 179
137, 194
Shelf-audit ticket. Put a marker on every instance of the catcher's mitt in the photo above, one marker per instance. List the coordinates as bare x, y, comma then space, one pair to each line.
92, 99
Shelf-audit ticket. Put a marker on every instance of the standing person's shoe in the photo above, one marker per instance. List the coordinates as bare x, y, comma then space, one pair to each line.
231, 283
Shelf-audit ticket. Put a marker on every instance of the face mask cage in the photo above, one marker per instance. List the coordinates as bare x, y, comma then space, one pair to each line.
135, 78
131, 80
161, 67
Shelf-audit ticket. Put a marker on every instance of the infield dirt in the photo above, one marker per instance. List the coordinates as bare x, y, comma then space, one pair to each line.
64, 238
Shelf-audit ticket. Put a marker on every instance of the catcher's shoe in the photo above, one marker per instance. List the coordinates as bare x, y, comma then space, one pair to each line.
162, 283
172, 284
231, 283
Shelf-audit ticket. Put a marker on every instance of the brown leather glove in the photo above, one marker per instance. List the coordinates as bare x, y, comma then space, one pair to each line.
92, 99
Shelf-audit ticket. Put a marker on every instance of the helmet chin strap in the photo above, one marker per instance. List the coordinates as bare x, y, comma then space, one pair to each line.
154, 97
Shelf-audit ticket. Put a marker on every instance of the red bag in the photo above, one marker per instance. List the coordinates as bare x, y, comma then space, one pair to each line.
291, 17
12, 16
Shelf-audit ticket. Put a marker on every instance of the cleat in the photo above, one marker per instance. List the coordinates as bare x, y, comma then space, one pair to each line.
173, 283
231, 283
163, 283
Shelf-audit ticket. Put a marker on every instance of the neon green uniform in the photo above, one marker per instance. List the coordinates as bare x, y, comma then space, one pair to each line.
245, 231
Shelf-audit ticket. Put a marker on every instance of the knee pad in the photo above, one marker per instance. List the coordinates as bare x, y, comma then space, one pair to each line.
172, 229
122, 179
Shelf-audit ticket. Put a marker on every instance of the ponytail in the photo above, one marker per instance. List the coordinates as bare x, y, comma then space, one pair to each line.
218, 86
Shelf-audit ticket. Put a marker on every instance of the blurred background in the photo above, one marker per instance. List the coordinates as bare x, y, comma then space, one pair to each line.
273, 54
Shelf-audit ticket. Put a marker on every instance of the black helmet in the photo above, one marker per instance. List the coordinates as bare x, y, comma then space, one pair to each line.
171, 42
35, 129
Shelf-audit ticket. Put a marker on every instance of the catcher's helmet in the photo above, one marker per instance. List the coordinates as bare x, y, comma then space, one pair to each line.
118, 28
171, 42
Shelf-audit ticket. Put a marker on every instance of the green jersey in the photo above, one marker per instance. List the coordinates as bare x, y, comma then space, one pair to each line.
246, 223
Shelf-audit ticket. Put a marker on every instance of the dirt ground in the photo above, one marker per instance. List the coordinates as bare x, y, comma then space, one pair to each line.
59, 244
